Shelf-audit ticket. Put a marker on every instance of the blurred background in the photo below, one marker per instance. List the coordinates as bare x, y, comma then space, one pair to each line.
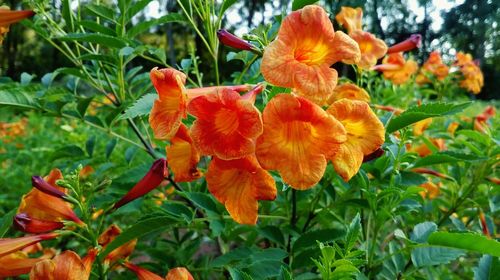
471, 26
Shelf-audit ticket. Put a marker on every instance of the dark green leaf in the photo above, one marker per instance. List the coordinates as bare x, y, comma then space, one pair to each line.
202, 200
445, 157
136, 8
130, 153
67, 14
82, 105
101, 11
411, 179
310, 238
434, 255
95, 38
96, 27
17, 99
141, 107
237, 274
226, 5
69, 151
466, 240
299, 4
90, 145
353, 232
178, 210
6, 222
145, 25
273, 233
110, 147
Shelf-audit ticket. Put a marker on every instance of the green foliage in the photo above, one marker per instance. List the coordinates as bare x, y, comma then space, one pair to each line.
141, 107
466, 240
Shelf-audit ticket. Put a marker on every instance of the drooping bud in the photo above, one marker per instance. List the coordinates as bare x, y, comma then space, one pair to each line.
39, 183
484, 225
27, 224
233, 41
9, 245
430, 172
150, 181
252, 94
415, 41
142, 274
178, 273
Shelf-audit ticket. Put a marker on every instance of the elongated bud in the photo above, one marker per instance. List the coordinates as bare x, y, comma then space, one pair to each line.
378, 153
39, 183
142, 274
8, 17
386, 67
27, 224
397, 111
252, 94
89, 259
494, 180
430, 172
150, 181
484, 225
9, 245
233, 41
192, 93
178, 273
415, 41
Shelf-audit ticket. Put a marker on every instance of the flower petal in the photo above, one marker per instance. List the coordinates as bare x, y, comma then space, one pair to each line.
183, 157
371, 48
350, 18
179, 273
349, 91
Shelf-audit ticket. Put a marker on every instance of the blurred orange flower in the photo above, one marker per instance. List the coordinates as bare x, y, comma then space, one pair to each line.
177, 273
349, 91
452, 127
462, 59
473, 79
18, 263
350, 18
396, 69
365, 134
480, 121
433, 66
183, 157
299, 137
67, 265
119, 253
423, 150
371, 48
431, 190
301, 56
226, 125
8, 17
420, 126
239, 184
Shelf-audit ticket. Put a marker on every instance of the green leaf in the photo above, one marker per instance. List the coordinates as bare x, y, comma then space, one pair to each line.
139, 229
418, 113
82, 106
145, 25
425, 256
475, 136
466, 240
69, 151
90, 145
178, 210
67, 14
6, 222
136, 8
130, 153
445, 157
353, 232
202, 200
411, 179
101, 11
141, 107
485, 268
309, 238
17, 99
299, 4
96, 27
110, 147
237, 274
273, 233
422, 231
226, 5
96, 38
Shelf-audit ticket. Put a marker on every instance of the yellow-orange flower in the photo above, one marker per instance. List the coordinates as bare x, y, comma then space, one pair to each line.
349, 91
423, 150
301, 56
463, 58
8, 17
396, 69
473, 79
421, 126
67, 265
431, 190
11, 245
350, 18
226, 125
170, 107
365, 134
371, 48
299, 137
239, 184
183, 157
433, 66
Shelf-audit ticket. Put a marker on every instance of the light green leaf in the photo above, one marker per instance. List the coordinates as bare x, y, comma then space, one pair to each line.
95, 38
17, 99
466, 240
425, 256
445, 157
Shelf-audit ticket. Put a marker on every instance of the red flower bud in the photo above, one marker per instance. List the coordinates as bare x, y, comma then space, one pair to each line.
39, 183
151, 180
378, 153
233, 41
415, 41
8, 17
25, 223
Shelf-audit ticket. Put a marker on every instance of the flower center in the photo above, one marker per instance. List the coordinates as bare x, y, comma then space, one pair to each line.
226, 121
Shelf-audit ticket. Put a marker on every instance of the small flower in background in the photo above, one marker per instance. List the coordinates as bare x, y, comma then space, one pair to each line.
420, 126
365, 134
239, 184
150, 181
423, 150
301, 56
473, 79
349, 91
177, 273
433, 66
484, 224
396, 111
8, 17
396, 69
463, 59
68, 265
299, 137
452, 127
350, 18
480, 121
431, 190
183, 156
371, 48
86, 171
415, 41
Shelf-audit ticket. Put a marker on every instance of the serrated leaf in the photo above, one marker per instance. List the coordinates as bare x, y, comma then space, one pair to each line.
426, 256
17, 99
467, 241
418, 113
353, 232
141, 228
445, 157
141, 107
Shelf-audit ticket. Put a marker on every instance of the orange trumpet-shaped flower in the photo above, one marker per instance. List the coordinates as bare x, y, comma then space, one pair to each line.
177, 273
433, 66
19, 263
25, 223
119, 253
371, 48
350, 18
415, 41
239, 184
150, 181
480, 121
299, 137
349, 91
473, 79
8, 17
183, 156
67, 265
41, 206
10, 245
365, 134
301, 56
170, 107
420, 126
226, 125
396, 69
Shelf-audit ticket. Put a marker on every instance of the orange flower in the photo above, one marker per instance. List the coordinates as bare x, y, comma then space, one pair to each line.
86, 171
350, 18
239, 184
119, 253
452, 127
396, 69
150, 181
371, 48
67, 265
421, 126
423, 150
463, 59
226, 125
10, 245
301, 56
42, 206
480, 122
365, 134
183, 157
433, 66
19, 263
415, 41
8, 17
349, 91
397, 111
179, 273
298, 139
431, 190
430, 172
473, 79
